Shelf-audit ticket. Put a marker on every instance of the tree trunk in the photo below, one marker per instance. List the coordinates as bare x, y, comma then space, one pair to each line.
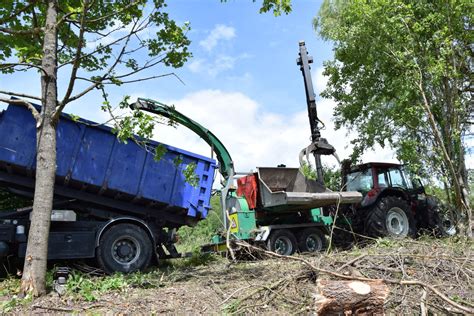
461, 197
34, 271
350, 297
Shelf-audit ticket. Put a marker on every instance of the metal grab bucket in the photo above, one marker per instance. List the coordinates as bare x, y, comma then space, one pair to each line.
288, 189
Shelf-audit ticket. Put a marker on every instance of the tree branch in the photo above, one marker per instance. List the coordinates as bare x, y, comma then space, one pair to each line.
108, 45
132, 3
61, 106
65, 17
146, 66
27, 65
32, 31
30, 106
363, 279
16, 13
133, 80
76, 63
21, 95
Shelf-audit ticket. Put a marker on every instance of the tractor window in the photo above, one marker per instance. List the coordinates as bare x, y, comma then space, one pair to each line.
410, 180
360, 181
382, 179
396, 178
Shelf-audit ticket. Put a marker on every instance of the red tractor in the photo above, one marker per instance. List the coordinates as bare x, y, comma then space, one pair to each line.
394, 204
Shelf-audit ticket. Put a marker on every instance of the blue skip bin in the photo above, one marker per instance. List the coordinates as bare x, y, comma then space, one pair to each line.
91, 159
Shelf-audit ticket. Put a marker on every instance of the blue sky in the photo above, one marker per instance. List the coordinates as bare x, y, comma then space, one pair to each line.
242, 83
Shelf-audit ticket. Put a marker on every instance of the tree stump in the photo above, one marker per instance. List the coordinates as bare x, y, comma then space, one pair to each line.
350, 297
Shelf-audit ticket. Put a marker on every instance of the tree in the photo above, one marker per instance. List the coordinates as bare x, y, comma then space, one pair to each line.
276, 6
55, 36
400, 76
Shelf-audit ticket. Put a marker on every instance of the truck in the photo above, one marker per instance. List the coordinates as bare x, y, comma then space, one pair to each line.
113, 201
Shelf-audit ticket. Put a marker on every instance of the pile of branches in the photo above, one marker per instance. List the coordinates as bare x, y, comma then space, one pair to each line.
422, 276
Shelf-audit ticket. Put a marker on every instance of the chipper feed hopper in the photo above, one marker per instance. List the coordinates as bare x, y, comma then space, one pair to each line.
288, 189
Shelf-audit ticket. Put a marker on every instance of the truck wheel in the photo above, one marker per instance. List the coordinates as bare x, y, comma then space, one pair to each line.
282, 242
124, 248
311, 240
390, 217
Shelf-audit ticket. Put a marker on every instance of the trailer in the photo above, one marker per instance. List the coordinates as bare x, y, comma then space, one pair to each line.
278, 208
114, 201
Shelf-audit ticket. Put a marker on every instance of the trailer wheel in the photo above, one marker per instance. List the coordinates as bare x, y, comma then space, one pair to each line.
282, 242
390, 217
311, 240
124, 248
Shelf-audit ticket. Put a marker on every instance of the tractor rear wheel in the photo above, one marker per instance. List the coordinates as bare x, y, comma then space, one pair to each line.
282, 242
311, 240
390, 217
436, 219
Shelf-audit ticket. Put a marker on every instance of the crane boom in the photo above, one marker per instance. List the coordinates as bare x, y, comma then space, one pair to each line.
319, 146
226, 165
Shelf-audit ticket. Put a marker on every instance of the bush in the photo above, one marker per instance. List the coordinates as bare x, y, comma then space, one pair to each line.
192, 238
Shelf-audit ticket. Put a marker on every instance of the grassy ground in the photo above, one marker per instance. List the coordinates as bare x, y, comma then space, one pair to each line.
213, 285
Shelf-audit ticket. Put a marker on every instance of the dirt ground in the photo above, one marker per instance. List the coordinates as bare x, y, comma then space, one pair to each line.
278, 285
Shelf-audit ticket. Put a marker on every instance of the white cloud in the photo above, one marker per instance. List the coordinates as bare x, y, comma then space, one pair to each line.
254, 136
320, 81
196, 65
242, 79
222, 63
220, 32
215, 67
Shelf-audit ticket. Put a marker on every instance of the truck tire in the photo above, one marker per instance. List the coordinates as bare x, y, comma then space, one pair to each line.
282, 242
311, 240
124, 248
343, 238
390, 217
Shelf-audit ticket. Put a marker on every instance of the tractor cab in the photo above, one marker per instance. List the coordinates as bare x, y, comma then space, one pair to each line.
371, 179
394, 202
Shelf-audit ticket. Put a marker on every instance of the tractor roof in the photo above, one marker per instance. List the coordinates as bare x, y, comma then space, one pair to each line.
368, 165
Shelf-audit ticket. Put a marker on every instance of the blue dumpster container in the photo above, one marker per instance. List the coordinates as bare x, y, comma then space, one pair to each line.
90, 158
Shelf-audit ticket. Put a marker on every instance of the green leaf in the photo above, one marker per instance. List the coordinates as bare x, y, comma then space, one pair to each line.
160, 151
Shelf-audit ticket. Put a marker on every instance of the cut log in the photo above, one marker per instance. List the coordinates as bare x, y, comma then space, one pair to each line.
350, 297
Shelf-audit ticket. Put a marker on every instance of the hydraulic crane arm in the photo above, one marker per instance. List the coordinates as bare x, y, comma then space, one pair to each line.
226, 165
319, 146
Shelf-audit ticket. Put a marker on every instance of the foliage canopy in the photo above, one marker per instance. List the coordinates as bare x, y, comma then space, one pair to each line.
401, 77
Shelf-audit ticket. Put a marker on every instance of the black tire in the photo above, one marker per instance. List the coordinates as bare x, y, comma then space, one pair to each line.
428, 219
343, 238
311, 240
124, 248
282, 242
441, 221
390, 217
